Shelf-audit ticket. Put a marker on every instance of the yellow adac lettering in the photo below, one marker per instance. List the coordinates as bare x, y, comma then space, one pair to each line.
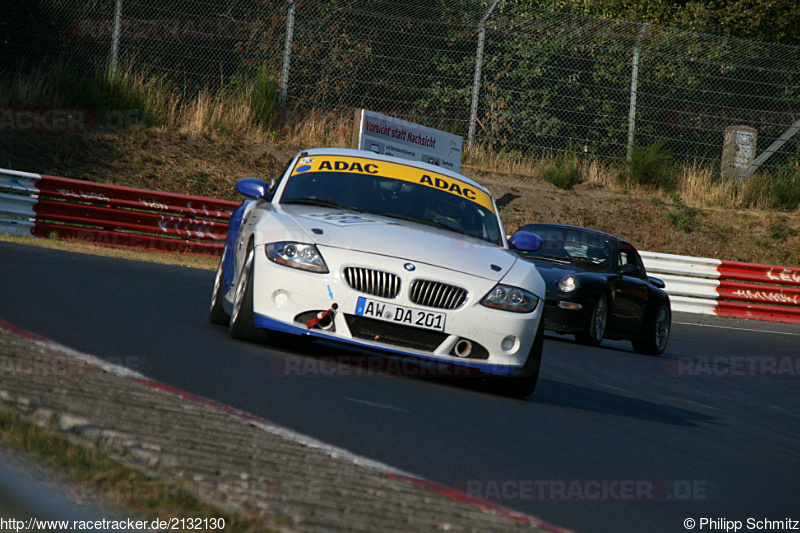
440, 184
469, 193
356, 167
454, 188
340, 165
370, 168
325, 165
426, 180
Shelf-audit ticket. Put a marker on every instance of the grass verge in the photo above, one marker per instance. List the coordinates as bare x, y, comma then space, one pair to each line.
66, 461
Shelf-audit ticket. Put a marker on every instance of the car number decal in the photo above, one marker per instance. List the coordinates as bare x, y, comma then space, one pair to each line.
400, 314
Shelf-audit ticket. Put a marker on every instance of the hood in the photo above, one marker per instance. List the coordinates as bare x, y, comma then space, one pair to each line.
410, 241
552, 271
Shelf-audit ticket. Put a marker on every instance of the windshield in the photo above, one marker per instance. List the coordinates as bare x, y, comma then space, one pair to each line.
573, 245
393, 190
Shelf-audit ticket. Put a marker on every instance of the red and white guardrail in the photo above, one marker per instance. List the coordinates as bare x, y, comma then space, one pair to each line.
110, 215
728, 288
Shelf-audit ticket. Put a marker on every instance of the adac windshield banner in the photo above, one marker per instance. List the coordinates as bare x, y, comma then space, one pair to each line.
364, 165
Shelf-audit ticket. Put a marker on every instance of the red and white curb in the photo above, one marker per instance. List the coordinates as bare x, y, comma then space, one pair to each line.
272, 428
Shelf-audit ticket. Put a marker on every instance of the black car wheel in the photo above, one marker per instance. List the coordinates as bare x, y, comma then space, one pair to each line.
241, 323
217, 314
596, 329
657, 335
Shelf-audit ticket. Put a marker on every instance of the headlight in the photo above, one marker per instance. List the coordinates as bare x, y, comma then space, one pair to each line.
510, 298
568, 284
296, 255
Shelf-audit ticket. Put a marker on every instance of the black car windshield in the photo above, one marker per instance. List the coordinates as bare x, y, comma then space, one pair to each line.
403, 199
573, 245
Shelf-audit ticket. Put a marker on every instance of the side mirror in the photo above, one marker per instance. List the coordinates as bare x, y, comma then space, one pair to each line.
630, 270
252, 187
656, 282
526, 241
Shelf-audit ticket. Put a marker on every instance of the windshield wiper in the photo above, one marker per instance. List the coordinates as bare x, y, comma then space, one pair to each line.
549, 257
323, 203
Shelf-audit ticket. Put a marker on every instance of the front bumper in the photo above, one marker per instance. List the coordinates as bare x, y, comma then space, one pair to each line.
567, 315
286, 298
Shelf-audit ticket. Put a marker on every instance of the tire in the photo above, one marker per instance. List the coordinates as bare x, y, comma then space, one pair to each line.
655, 340
524, 385
217, 314
241, 324
596, 330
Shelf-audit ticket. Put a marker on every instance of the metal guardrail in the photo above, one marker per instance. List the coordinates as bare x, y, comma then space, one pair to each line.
728, 288
110, 215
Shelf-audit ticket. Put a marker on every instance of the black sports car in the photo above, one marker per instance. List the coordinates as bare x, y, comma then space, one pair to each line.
597, 288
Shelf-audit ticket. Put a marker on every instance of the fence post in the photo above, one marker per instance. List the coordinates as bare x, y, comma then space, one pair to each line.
476, 83
115, 37
634, 88
766, 154
287, 53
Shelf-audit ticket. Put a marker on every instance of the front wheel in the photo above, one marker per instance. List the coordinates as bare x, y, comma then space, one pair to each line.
242, 325
217, 314
596, 329
655, 340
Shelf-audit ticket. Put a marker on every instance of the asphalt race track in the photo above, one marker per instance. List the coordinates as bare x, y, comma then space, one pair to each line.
610, 441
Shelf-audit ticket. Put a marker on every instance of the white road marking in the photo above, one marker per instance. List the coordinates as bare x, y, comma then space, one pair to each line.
738, 329
378, 405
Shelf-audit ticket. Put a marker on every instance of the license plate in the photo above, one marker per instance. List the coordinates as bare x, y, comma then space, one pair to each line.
400, 314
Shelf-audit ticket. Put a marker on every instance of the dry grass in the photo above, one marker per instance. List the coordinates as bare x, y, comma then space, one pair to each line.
228, 115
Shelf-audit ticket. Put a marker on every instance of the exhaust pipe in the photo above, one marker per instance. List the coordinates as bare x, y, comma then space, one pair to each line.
326, 322
463, 348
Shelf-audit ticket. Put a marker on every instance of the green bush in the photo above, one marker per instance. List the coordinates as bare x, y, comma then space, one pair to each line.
266, 97
564, 172
772, 192
651, 166
683, 217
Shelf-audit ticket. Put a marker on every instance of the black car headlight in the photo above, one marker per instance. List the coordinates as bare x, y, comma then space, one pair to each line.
510, 298
296, 255
568, 284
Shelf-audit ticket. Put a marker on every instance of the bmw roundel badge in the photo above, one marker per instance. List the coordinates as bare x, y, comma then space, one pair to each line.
409, 266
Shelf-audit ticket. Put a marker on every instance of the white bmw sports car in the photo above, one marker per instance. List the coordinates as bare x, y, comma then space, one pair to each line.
386, 254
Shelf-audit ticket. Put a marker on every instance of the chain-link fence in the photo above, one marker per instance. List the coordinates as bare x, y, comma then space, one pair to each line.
523, 80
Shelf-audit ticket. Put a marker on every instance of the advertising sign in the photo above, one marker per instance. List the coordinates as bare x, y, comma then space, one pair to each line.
399, 138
